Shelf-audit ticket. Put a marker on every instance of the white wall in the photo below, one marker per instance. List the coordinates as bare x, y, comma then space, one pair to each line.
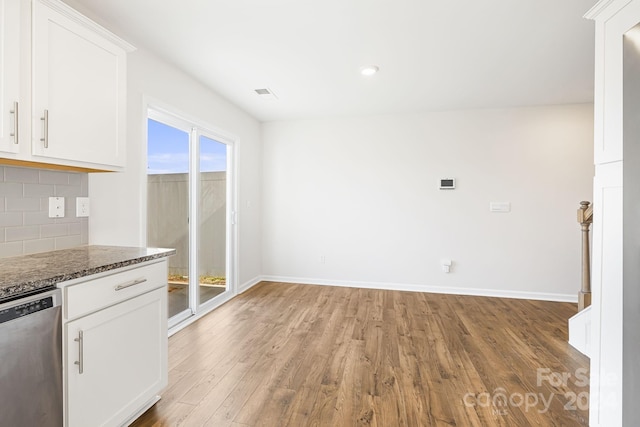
118, 201
363, 193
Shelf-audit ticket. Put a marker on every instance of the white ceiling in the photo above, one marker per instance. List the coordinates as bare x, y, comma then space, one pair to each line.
432, 54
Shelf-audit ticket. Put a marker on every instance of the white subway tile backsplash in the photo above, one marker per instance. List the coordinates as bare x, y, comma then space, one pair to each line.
36, 218
10, 219
68, 217
11, 189
67, 191
75, 228
10, 249
21, 175
29, 232
54, 230
84, 184
25, 226
75, 179
68, 242
40, 245
22, 204
54, 177
38, 190
70, 208
84, 234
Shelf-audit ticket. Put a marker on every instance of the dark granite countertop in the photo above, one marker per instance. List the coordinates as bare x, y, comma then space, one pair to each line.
27, 274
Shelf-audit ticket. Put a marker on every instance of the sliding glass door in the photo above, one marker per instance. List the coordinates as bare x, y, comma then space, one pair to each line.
168, 205
189, 200
212, 208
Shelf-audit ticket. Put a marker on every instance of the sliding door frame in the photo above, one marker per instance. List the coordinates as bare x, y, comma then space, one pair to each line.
196, 128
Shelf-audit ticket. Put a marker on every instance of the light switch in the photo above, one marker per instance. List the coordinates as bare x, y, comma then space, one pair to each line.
82, 207
56, 207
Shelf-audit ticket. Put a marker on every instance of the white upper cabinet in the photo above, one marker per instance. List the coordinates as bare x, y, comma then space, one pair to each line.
613, 20
10, 79
78, 89
62, 88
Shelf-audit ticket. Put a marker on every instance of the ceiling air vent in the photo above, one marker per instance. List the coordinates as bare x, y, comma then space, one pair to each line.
266, 93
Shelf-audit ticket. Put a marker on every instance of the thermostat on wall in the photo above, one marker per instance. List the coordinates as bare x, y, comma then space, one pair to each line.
448, 184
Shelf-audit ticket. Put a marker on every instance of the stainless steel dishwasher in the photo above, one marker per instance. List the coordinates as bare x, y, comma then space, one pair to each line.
31, 361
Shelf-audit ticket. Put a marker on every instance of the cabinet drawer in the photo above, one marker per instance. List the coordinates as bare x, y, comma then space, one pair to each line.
92, 295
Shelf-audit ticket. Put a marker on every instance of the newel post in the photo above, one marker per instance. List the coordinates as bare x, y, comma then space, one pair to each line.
585, 218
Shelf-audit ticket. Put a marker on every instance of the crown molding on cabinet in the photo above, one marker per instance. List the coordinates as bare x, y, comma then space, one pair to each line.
76, 16
602, 5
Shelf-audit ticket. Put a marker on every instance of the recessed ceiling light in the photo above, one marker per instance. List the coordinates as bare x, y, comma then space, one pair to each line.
369, 70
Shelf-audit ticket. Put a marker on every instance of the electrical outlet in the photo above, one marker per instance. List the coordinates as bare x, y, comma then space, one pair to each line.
82, 207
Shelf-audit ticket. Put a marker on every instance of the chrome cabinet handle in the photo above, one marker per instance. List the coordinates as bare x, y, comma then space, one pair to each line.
45, 138
131, 283
15, 122
80, 361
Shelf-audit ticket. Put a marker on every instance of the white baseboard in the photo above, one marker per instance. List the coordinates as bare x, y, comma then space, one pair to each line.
249, 284
383, 286
426, 288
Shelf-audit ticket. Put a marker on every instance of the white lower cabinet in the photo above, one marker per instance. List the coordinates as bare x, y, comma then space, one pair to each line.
116, 356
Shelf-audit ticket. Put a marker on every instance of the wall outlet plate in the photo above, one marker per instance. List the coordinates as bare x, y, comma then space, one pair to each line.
82, 207
56, 207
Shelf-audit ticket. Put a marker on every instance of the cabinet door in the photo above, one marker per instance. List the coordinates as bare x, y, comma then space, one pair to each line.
116, 360
10, 69
611, 28
79, 81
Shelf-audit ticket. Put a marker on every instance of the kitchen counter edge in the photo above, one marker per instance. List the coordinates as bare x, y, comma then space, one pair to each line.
29, 274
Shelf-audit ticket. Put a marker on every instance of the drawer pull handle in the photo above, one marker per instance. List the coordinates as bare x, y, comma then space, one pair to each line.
131, 283
15, 122
80, 361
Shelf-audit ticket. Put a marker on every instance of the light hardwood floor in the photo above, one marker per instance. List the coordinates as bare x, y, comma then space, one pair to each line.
301, 355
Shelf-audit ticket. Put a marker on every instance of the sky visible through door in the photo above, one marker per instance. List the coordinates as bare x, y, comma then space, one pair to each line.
166, 156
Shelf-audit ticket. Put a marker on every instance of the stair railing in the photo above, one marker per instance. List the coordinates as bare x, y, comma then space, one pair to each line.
585, 219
